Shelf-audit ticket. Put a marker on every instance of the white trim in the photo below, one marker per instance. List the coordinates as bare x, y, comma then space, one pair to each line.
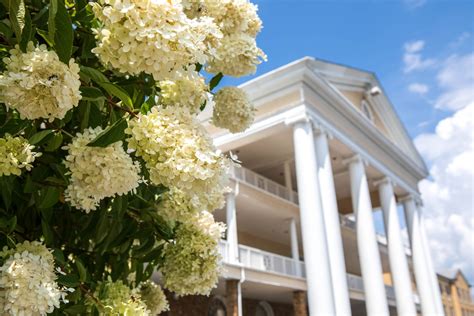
323, 89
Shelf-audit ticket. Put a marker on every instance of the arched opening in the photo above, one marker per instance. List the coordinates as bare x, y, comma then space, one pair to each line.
217, 307
264, 309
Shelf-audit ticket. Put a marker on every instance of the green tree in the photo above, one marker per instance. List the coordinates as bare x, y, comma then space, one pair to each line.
106, 174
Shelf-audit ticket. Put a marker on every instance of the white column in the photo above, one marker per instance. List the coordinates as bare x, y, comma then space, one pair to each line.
429, 262
333, 228
287, 174
231, 220
371, 266
295, 253
420, 266
318, 272
396, 250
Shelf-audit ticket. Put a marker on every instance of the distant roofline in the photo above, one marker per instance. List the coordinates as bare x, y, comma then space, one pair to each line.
453, 275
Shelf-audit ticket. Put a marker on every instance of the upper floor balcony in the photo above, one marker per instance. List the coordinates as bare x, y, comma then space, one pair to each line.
260, 182
268, 262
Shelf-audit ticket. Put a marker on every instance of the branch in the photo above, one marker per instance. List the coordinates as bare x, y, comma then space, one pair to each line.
115, 105
86, 291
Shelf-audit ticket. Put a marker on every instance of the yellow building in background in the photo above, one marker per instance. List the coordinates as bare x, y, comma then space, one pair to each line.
456, 294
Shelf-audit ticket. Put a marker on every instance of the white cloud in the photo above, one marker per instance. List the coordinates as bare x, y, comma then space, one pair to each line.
460, 40
412, 57
456, 79
418, 88
448, 197
414, 46
413, 4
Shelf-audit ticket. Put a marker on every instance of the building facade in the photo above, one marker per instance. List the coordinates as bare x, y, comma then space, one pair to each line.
325, 152
456, 294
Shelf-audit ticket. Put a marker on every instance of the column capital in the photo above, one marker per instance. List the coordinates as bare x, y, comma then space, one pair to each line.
299, 118
353, 159
406, 198
384, 180
319, 129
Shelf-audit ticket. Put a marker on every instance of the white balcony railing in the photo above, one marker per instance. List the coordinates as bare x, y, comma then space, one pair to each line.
258, 181
264, 261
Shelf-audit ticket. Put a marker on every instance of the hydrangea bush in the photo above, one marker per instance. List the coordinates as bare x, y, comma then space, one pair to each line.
107, 176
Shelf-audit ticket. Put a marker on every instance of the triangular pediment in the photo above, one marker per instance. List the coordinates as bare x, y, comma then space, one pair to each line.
364, 92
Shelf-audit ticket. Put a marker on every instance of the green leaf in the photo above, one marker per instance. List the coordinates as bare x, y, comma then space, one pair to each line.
59, 256
29, 185
102, 227
36, 138
8, 225
49, 197
154, 254
77, 309
84, 112
45, 36
93, 74
6, 187
47, 232
215, 81
55, 142
111, 134
63, 39
69, 280
53, 10
17, 16
118, 92
26, 32
91, 94
6, 30
81, 269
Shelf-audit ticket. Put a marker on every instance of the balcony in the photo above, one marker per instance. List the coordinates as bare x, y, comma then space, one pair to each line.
261, 260
258, 259
259, 182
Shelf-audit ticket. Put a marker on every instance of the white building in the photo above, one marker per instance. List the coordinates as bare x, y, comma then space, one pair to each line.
326, 150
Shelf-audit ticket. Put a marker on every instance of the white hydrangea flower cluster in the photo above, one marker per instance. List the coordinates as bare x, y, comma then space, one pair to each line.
232, 110
96, 172
237, 54
15, 154
232, 16
176, 206
38, 85
154, 37
191, 265
118, 299
154, 297
179, 206
189, 90
179, 154
28, 281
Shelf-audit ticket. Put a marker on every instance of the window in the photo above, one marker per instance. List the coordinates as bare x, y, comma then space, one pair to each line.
366, 110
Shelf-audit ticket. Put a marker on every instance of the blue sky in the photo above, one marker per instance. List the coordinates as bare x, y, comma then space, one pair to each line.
369, 35
423, 53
